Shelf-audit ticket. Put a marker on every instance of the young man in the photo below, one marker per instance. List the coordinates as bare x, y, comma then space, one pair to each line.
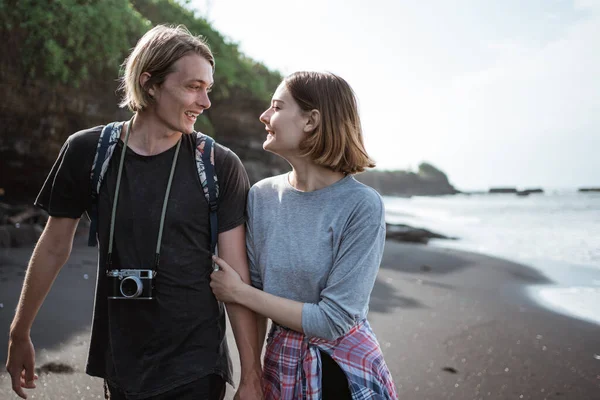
168, 343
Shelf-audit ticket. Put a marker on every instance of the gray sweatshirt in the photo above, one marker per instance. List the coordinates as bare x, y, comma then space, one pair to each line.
321, 248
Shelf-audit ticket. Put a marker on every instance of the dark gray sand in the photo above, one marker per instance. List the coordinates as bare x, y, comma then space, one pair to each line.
452, 325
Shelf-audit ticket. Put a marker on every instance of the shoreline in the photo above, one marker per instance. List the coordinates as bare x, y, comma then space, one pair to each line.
469, 330
452, 324
568, 283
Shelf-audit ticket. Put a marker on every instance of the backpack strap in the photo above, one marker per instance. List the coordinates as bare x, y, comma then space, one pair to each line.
109, 137
205, 163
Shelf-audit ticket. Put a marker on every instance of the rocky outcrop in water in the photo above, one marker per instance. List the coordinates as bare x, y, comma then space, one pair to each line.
407, 233
427, 181
589, 189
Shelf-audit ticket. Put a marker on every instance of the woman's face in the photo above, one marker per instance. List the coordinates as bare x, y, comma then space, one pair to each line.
285, 123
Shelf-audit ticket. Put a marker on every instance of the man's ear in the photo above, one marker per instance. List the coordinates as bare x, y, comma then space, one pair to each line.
313, 121
144, 78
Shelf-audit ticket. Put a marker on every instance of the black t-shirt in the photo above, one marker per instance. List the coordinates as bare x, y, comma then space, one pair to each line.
147, 347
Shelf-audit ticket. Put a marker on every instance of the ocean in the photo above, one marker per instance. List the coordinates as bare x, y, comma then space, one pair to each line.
557, 233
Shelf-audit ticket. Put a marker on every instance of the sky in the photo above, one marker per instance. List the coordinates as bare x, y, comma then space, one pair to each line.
493, 93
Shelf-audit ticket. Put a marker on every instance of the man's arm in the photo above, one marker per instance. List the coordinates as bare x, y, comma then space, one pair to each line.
50, 254
232, 248
262, 322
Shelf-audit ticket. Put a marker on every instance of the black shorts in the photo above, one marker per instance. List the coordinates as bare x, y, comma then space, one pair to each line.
334, 380
211, 387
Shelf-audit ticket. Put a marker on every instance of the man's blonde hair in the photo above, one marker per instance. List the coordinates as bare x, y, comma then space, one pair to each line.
156, 53
337, 142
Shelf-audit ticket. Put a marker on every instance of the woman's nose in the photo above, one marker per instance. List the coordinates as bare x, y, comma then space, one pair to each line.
264, 117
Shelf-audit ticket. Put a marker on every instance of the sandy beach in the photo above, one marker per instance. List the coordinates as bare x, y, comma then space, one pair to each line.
452, 325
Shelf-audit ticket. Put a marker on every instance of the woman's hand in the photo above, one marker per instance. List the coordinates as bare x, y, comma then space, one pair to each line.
226, 283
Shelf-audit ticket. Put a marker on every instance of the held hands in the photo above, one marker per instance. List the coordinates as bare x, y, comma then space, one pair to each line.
250, 389
20, 365
225, 283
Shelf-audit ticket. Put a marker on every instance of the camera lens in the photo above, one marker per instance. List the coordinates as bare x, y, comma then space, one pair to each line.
131, 286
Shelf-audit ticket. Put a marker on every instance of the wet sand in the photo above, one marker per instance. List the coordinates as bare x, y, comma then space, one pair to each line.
452, 325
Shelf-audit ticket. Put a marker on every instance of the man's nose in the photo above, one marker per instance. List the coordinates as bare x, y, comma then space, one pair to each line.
203, 100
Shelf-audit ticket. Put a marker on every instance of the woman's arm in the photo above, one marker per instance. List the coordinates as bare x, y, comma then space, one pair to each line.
229, 288
345, 298
341, 302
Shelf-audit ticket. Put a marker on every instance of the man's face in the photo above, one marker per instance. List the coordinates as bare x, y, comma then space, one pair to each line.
183, 96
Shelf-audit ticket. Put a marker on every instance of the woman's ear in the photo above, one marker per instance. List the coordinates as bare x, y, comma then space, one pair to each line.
313, 121
144, 78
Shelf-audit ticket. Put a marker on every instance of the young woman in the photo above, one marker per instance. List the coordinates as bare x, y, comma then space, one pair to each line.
315, 239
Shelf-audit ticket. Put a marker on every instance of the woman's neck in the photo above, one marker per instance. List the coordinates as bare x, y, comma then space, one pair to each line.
148, 136
308, 176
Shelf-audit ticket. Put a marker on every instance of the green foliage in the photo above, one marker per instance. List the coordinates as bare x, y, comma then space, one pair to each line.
71, 41
77, 42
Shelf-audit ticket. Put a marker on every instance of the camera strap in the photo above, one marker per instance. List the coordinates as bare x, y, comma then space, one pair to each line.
164, 208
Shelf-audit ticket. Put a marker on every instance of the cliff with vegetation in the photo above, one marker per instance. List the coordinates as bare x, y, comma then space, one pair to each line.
59, 64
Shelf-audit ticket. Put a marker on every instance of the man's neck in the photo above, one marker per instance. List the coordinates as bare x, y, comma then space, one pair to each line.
148, 136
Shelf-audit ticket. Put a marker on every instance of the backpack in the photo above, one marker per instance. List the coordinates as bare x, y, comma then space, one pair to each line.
205, 165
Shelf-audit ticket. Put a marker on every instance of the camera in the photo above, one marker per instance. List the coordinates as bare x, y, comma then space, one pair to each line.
124, 284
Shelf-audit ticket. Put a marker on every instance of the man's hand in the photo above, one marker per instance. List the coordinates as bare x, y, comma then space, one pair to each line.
20, 364
250, 389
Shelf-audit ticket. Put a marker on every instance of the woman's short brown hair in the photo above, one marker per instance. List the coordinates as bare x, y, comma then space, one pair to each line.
155, 53
337, 142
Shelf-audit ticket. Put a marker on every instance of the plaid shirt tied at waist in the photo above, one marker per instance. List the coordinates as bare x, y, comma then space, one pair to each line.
292, 365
